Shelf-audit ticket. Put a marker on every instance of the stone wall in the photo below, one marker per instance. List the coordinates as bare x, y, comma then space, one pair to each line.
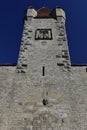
55, 100
77, 90
36, 101
79, 97
6, 80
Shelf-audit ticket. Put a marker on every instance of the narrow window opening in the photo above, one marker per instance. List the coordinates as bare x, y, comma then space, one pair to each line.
45, 102
86, 69
43, 71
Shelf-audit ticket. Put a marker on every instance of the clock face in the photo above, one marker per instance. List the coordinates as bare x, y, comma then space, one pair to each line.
43, 34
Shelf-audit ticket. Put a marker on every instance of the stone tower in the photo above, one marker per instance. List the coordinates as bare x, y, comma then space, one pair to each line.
39, 97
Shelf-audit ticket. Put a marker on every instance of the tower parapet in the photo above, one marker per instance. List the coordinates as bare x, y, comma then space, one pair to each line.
60, 12
31, 12
45, 12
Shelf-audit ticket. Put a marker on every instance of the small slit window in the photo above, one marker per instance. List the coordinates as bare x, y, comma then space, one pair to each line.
86, 69
43, 71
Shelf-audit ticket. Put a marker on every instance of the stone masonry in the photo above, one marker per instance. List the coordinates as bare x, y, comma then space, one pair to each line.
43, 91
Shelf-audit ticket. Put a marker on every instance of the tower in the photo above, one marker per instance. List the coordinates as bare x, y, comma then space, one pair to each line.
39, 95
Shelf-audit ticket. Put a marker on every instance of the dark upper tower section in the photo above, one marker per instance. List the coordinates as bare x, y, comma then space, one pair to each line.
44, 13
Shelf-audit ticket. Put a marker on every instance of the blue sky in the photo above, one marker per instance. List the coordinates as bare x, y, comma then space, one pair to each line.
11, 27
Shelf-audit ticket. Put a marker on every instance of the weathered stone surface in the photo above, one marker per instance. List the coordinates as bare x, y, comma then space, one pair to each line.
23, 88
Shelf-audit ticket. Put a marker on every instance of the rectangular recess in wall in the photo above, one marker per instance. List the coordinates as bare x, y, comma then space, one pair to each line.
60, 64
43, 34
86, 69
43, 71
